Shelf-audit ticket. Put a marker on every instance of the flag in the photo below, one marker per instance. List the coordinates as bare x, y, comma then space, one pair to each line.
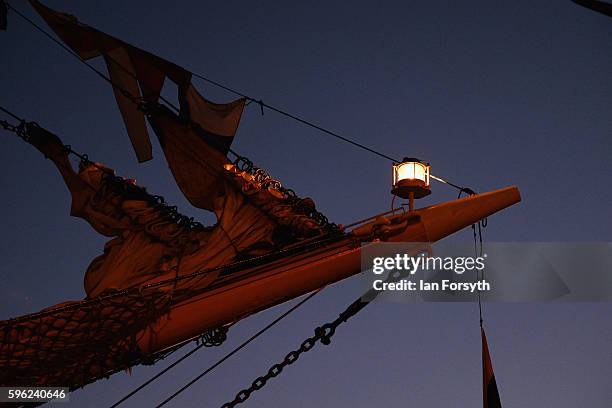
490, 395
218, 122
121, 72
138, 76
196, 166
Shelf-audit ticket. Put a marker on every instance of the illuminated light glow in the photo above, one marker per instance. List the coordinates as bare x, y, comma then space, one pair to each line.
411, 171
411, 180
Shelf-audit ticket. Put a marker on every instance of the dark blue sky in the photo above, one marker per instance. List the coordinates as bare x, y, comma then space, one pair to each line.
492, 93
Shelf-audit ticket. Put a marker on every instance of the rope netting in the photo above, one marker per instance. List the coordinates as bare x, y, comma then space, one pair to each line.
74, 346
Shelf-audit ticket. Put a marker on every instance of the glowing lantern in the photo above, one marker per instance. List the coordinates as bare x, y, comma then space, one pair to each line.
411, 180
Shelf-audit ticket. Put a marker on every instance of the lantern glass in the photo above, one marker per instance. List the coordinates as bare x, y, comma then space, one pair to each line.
411, 171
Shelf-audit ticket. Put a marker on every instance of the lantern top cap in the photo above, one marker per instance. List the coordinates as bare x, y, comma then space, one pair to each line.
412, 160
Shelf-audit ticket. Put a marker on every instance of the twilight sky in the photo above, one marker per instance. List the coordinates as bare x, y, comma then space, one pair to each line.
491, 93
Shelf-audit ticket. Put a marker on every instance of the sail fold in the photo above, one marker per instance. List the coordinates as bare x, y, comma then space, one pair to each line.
121, 72
138, 76
218, 121
196, 166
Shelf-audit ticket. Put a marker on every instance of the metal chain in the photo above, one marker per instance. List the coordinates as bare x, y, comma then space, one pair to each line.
260, 176
118, 184
323, 334
265, 180
170, 212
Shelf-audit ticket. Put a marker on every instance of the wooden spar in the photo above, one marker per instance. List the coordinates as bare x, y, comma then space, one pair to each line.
276, 282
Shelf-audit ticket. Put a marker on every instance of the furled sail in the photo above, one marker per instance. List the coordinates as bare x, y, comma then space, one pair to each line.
163, 279
195, 164
148, 244
195, 141
75, 343
253, 217
155, 258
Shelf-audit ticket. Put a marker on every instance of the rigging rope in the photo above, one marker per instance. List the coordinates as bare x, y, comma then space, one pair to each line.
201, 344
260, 102
238, 348
331, 236
23, 129
322, 334
478, 250
148, 107
69, 51
262, 105
11, 114
283, 112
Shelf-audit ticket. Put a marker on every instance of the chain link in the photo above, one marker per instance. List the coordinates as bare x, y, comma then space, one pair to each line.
298, 204
322, 334
260, 176
170, 212
110, 180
